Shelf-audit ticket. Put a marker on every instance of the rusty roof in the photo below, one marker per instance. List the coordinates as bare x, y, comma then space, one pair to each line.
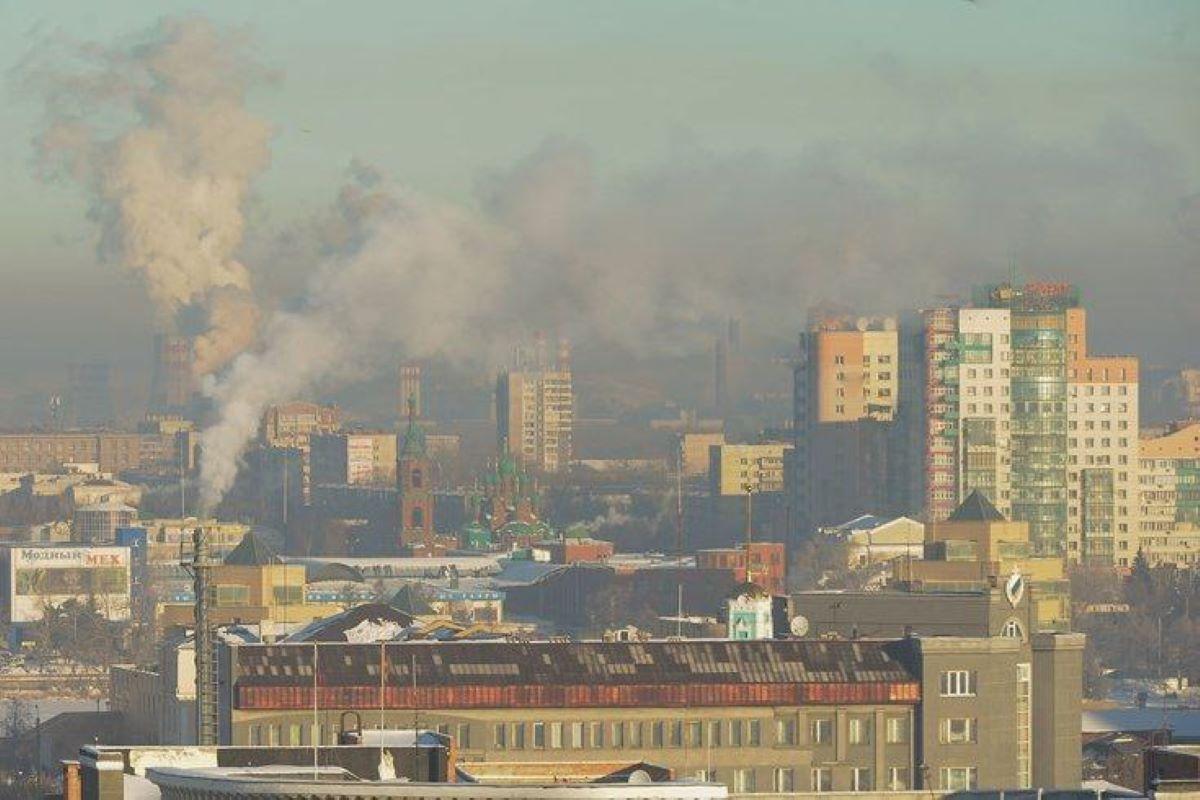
509, 663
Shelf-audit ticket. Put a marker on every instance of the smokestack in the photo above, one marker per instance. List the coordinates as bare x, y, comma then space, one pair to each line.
173, 383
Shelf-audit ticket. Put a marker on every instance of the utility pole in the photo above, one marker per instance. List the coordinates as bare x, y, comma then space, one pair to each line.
679, 537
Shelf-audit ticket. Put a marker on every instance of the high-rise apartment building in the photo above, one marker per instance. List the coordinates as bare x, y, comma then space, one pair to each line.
735, 469
968, 362
535, 411
291, 426
1017, 408
1169, 497
1102, 451
846, 399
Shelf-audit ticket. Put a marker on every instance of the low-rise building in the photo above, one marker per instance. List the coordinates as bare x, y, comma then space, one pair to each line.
36, 577
759, 716
872, 540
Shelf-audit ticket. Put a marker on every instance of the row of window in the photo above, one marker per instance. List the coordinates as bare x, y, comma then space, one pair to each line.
686, 733
821, 779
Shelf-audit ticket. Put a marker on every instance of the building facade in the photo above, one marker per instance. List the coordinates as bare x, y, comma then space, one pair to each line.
1169, 497
759, 716
845, 405
535, 417
740, 468
353, 459
1018, 408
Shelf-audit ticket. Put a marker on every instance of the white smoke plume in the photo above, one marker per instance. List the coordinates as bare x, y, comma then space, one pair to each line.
157, 133
648, 264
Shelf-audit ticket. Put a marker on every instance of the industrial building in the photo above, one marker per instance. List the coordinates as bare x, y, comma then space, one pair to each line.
768, 715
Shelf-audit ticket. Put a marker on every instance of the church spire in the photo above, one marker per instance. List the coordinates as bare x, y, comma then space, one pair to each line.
414, 435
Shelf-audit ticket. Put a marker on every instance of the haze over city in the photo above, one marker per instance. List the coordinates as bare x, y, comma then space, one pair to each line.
599, 399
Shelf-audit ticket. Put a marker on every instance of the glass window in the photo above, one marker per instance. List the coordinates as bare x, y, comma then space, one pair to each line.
860, 779
462, 733
735, 733
897, 730
958, 683
618, 735
959, 779
755, 737
695, 733
785, 779
539, 735
500, 737
821, 731
577, 735
897, 779
822, 779
556, 735
636, 736
958, 730
743, 780
785, 731
677, 733
859, 730
597, 732
518, 735
658, 734
714, 734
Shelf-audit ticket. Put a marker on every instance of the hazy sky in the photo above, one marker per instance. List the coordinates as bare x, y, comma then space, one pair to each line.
435, 92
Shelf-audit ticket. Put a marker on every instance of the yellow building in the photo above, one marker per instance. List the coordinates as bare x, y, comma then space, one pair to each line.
734, 467
978, 546
1169, 496
253, 585
693, 448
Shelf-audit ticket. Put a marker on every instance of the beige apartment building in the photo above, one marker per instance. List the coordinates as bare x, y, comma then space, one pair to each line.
535, 417
1169, 497
738, 468
1102, 451
354, 459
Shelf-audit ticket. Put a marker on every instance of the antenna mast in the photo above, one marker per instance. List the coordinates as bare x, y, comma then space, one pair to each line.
206, 665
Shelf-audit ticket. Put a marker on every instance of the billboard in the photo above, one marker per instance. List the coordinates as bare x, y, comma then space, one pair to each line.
39, 577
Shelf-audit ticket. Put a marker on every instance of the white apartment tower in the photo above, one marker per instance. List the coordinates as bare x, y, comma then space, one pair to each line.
535, 412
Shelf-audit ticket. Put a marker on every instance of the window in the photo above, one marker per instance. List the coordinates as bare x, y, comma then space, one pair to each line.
618, 735
822, 779
233, 595
695, 733
821, 731
958, 730
635, 734
293, 735
897, 730
860, 779
1012, 630
597, 731
755, 738
518, 736
500, 737
556, 735
785, 732
677, 733
577, 735
743, 780
658, 734
462, 733
958, 683
897, 779
959, 779
735, 733
859, 730
714, 734
539, 735
255, 735
785, 779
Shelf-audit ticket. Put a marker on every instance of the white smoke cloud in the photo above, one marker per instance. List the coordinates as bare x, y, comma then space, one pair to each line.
647, 264
157, 133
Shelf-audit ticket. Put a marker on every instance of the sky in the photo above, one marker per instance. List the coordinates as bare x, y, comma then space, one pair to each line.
438, 94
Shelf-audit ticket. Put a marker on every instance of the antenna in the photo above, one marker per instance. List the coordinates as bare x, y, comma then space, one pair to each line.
679, 537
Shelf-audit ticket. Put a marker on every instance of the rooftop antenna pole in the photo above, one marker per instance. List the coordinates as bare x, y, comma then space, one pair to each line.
316, 726
679, 538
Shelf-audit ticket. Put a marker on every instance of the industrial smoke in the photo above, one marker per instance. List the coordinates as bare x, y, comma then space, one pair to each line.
156, 132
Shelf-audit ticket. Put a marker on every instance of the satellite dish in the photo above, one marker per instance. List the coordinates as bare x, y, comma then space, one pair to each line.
640, 776
799, 625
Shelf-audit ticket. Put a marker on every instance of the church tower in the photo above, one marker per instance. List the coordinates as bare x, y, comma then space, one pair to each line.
414, 476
